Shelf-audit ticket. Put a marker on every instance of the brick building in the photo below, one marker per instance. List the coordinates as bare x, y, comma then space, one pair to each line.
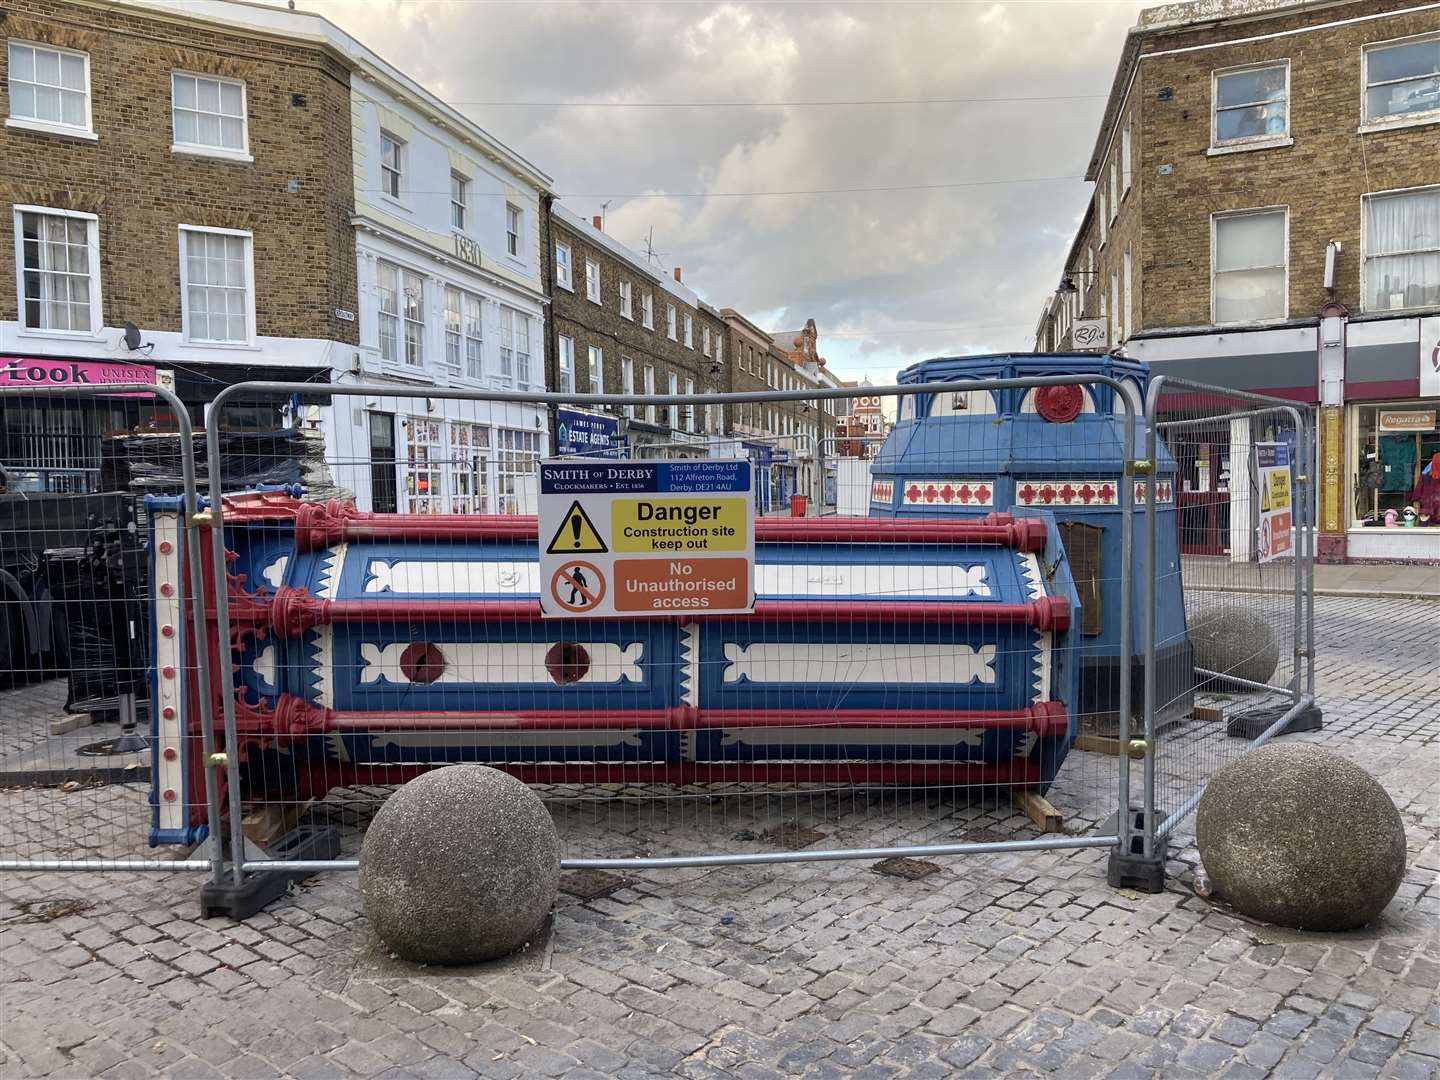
619, 325
1266, 216
175, 173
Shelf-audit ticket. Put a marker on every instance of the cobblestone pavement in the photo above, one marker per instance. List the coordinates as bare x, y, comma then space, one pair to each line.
997, 965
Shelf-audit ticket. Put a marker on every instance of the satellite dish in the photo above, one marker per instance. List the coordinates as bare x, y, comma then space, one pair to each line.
132, 336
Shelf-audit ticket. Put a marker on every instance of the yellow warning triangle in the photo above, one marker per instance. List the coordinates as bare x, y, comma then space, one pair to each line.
1264, 498
577, 534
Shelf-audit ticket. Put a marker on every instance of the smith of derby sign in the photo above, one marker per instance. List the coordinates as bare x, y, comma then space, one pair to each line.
1272, 462
644, 538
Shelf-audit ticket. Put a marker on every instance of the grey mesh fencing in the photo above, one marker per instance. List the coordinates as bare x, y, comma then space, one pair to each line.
1229, 606
906, 684
103, 750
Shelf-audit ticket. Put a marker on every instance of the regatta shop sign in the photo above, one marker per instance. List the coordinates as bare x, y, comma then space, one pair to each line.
43, 371
643, 538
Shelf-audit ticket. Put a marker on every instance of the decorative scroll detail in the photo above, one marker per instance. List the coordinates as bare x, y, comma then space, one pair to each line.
882, 491
900, 663
290, 715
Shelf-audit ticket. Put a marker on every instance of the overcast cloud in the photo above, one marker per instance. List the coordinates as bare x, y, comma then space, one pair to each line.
889, 277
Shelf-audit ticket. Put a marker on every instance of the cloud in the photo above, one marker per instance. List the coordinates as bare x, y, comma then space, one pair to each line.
889, 276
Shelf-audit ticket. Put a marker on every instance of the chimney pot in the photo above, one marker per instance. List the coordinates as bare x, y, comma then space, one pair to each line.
598, 222
677, 273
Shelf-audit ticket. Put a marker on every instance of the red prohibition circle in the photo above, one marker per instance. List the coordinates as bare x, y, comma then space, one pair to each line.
1059, 404
578, 586
422, 662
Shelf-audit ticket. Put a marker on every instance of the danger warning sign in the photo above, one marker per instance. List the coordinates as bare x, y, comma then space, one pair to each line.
692, 518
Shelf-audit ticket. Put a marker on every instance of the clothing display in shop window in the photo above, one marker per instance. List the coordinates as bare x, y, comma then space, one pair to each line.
1426, 494
1397, 454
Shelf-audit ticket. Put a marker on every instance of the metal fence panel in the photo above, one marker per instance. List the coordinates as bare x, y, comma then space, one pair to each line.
898, 681
102, 753
1243, 576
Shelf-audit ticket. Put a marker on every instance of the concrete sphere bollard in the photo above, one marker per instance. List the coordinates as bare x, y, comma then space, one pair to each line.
1298, 836
460, 865
1234, 641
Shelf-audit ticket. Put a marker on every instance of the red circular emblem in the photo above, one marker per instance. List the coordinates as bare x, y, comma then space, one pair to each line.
1059, 404
422, 662
567, 662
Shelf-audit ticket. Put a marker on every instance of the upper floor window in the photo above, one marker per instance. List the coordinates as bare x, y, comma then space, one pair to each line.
592, 281
627, 381
719, 349
1126, 151
564, 273
566, 364
1401, 250
1402, 79
1104, 219
49, 88
512, 230
1249, 263
209, 114
597, 370
1114, 189
464, 343
670, 321
459, 199
647, 311
705, 340
515, 345
392, 164
217, 300
402, 315
689, 332
1251, 104
58, 258
627, 302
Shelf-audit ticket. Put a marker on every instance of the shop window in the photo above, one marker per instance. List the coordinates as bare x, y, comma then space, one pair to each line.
469, 468
425, 452
1394, 446
518, 451
383, 494
1402, 250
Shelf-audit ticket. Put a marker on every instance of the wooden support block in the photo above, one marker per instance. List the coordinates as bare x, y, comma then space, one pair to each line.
264, 825
1097, 744
63, 725
1209, 714
1038, 809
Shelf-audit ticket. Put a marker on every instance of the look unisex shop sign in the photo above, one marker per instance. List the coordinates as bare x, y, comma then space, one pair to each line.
646, 538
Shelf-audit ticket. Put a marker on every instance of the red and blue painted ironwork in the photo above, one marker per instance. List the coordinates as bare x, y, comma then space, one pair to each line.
367, 648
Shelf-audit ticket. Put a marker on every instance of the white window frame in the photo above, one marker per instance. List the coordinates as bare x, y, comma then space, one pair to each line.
401, 360
705, 340
647, 311
1285, 292
1127, 151
673, 411
671, 322
50, 127
689, 326
564, 267
649, 376
690, 407
627, 301
592, 281
1126, 285
1104, 220
1250, 142
1365, 255
1114, 190
1385, 123
459, 206
514, 225
97, 322
1115, 305
565, 363
515, 365
627, 382
719, 348
249, 238
392, 189
227, 153
595, 368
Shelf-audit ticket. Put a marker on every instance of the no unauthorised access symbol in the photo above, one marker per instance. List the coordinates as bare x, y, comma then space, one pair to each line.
577, 534
577, 586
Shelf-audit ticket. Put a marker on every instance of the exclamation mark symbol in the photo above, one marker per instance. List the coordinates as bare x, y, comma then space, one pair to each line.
575, 528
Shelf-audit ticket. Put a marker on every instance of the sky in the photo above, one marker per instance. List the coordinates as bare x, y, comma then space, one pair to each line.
979, 193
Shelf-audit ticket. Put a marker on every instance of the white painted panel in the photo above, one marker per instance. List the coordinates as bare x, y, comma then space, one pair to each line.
870, 580
852, 736
414, 576
502, 662
168, 611
847, 664
508, 737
